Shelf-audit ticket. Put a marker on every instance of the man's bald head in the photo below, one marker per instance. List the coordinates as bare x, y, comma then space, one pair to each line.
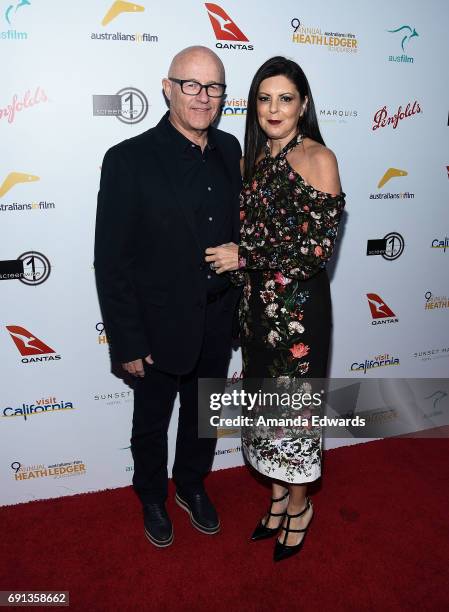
195, 54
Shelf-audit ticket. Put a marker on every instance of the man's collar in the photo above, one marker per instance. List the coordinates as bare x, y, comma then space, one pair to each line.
181, 142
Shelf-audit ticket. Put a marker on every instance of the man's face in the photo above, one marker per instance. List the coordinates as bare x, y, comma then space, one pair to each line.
194, 112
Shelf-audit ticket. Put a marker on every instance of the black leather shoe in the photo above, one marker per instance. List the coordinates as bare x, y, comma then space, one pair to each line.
203, 515
262, 532
157, 523
281, 550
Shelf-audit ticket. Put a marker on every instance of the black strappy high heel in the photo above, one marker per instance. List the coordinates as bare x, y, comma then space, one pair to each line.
262, 532
281, 550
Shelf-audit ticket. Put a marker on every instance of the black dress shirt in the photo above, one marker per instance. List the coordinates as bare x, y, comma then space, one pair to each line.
203, 178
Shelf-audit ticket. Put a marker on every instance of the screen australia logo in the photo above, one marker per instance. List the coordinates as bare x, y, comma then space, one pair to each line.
118, 11
225, 29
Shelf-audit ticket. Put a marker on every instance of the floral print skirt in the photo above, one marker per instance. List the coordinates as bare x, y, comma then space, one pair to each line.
285, 332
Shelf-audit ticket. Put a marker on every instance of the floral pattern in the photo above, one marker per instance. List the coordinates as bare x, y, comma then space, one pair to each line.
288, 232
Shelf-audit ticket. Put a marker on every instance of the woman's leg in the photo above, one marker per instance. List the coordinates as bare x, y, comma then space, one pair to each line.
296, 504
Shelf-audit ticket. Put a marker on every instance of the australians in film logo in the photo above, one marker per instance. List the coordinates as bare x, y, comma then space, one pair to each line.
381, 313
30, 347
30, 268
129, 105
43, 405
12, 180
390, 247
383, 117
389, 174
435, 302
404, 35
334, 41
13, 10
115, 11
23, 102
64, 469
227, 32
440, 243
378, 361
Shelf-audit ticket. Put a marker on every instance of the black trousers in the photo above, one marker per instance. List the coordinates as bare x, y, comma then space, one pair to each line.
154, 396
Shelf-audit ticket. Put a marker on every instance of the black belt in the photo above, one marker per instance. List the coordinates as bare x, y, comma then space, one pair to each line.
213, 297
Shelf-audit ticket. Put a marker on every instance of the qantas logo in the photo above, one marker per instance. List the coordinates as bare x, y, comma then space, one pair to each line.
380, 310
224, 27
29, 346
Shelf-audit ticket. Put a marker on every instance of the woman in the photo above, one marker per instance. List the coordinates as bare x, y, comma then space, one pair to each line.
291, 204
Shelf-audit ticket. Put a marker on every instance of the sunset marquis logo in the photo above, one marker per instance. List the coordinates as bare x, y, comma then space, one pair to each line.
129, 105
435, 302
30, 268
405, 34
44, 405
390, 247
382, 117
391, 173
440, 243
11, 14
31, 348
337, 115
63, 469
117, 9
18, 104
431, 354
381, 313
378, 361
234, 107
114, 397
337, 42
225, 29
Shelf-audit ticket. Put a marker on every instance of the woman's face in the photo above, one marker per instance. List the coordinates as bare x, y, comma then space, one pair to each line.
279, 107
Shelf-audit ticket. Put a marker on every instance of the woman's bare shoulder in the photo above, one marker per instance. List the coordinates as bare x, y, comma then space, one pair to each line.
321, 164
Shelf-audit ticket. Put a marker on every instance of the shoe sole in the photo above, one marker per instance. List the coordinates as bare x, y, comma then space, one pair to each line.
206, 530
159, 543
300, 546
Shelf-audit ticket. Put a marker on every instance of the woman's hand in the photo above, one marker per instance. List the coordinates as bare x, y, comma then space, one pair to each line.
223, 258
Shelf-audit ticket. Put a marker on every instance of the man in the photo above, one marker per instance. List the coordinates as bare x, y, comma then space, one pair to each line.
165, 196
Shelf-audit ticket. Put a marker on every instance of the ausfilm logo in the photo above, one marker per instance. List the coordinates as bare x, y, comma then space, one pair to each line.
64, 469
129, 105
336, 42
381, 313
435, 302
378, 361
30, 268
225, 29
116, 10
389, 174
405, 34
234, 107
31, 348
11, 15
383, 117
44, 405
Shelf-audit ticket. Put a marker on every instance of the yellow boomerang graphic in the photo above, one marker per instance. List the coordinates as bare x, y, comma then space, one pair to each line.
389, 174
13, 178
120, 7
223, 432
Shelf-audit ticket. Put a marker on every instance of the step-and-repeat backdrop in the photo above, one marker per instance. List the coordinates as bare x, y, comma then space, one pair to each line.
78, 77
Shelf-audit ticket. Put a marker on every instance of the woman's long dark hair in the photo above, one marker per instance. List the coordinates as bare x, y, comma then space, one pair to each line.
255, 138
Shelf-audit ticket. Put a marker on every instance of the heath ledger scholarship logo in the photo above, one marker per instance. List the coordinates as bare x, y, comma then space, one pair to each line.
115, 10
226, 29
405, 34
31, 347
336, 42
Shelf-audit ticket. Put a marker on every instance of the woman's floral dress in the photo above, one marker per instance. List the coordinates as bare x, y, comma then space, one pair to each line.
288, 231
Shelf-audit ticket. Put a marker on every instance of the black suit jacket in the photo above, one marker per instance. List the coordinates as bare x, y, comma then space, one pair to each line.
148, 259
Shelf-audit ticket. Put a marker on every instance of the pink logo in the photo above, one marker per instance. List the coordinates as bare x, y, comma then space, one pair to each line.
27, 101
381, 118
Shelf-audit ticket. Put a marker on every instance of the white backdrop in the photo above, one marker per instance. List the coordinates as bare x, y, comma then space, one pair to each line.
57, 56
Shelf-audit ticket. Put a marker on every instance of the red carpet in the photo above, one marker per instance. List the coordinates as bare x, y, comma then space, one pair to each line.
379, 541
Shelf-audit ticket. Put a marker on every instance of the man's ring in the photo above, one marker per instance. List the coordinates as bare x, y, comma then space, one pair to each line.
212, 266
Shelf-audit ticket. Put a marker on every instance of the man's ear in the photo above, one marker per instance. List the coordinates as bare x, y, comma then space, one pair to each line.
166, 86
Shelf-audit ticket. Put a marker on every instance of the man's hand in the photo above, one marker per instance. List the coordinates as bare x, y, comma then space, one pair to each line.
223, 258
136, 367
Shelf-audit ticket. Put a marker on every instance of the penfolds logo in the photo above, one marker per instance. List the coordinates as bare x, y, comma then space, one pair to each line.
17, 105
382, 118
